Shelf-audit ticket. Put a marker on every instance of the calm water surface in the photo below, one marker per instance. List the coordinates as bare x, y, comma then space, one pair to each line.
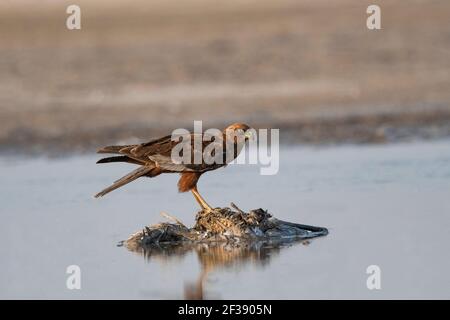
384, 205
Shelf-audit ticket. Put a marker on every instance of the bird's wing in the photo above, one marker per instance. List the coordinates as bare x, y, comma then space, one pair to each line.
160, 151
167, 164
163, 156
140, 151
151, 147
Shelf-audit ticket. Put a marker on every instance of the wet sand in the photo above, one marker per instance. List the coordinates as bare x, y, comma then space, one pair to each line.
384, 205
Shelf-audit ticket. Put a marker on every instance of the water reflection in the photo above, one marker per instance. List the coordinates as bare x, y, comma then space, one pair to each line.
215, 256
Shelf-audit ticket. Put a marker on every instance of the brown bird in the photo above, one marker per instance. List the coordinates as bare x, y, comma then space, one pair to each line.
155, 157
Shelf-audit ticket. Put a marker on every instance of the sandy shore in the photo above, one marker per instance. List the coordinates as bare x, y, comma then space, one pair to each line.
312, 69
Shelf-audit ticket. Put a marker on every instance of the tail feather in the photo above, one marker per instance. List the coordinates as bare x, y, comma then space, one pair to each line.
111, 149
119, 159
133, 175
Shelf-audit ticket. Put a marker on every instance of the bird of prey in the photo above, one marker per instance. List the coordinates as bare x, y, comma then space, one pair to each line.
155, 157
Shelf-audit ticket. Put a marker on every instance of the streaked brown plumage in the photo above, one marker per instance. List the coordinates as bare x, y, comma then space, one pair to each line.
154, 158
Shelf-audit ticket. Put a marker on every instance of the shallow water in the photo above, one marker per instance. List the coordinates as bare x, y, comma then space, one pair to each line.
384, 205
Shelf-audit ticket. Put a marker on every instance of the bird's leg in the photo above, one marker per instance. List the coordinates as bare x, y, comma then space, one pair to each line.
200, 200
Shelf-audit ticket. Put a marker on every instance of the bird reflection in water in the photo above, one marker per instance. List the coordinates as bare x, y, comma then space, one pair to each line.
215, 256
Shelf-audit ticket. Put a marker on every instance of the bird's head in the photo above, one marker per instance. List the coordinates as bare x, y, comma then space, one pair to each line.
242, 127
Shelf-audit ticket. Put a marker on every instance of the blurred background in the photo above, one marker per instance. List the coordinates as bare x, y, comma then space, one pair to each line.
142, 68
